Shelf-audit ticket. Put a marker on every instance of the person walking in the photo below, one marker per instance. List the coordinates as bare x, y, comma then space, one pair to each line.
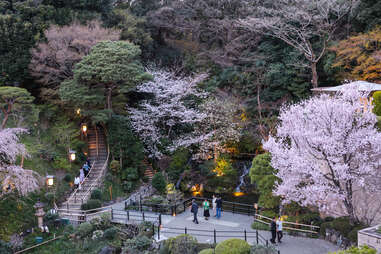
279, 228
194, 210
76, 182
81, 176
273, 230
206, 209
214, 205
86, 168
219, 207
88, 162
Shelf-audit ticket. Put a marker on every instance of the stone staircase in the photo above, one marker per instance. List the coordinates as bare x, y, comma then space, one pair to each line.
98, 156
149, 172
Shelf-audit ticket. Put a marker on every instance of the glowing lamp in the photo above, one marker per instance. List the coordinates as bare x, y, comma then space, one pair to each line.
78, 111
84, 128
49, 180
238, 194
72, 155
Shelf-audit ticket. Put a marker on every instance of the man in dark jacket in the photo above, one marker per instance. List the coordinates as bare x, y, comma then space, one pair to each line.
194, 210
273, 230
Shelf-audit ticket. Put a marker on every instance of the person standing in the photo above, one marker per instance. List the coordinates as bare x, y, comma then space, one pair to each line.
194, 210
214, 205
273, 230
219, 207
279, 228
206, 209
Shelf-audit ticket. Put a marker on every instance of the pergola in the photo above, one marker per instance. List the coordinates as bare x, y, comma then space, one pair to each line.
363, 86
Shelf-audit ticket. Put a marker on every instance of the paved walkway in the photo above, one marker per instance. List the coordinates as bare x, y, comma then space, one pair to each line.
173, 226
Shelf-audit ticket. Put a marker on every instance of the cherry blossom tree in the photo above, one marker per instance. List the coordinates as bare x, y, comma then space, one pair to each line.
324, 149
13, 176
168, 111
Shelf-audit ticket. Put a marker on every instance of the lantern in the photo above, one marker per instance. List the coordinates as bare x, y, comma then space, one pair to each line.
72, 155
49, 180
84, 128
78, 111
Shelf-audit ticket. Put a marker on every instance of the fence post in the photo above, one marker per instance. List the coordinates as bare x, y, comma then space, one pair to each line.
143, 216
112, 214
67, 207
158, 232
159, 219
140, 202
185, 230
267, 243
125, 205
214, 236
75, 197
175, 208
184, 206
233, 207
256, 236
245, 236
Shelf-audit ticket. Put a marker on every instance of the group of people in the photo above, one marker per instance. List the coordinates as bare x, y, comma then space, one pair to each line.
216, 206
83, 172
276, 230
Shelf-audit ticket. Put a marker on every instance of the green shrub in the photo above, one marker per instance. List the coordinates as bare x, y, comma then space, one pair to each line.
128, 186
377, 103
115, 166
260, 226
269, 213
261, 249
96, 194
84, 229
110, 233
158, 182
233, 246
68, 178
184, 244
91, 204
145, 228
352, 235
138, 243
130, 174
5, 248
49, 197
49, 218
358, 250
342, 225
207, 251
145, 179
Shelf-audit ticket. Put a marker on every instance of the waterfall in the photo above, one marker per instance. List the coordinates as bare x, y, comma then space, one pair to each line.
242, 178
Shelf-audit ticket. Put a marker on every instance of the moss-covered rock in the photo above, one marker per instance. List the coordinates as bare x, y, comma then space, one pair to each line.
233, 246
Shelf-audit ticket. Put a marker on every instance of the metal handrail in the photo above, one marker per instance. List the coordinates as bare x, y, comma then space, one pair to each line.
75, 191
96, 182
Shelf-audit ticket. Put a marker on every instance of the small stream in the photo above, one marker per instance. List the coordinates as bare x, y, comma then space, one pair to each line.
246, 171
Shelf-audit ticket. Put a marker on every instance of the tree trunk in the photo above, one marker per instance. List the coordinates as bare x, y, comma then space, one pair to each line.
314, 75
4, 121
109, 102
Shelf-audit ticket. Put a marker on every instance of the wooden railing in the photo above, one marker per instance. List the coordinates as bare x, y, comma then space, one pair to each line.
295, 227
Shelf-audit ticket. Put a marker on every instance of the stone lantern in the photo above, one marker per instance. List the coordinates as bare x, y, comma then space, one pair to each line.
39, 213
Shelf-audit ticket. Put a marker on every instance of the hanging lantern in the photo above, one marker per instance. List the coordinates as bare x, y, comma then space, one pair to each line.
78, 111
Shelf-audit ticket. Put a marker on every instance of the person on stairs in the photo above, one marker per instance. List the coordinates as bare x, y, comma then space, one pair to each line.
194, 210
206, 209
88, 162
76, 182
86, 168
81, 176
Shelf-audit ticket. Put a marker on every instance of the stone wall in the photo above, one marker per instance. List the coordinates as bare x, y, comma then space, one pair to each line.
370, 237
